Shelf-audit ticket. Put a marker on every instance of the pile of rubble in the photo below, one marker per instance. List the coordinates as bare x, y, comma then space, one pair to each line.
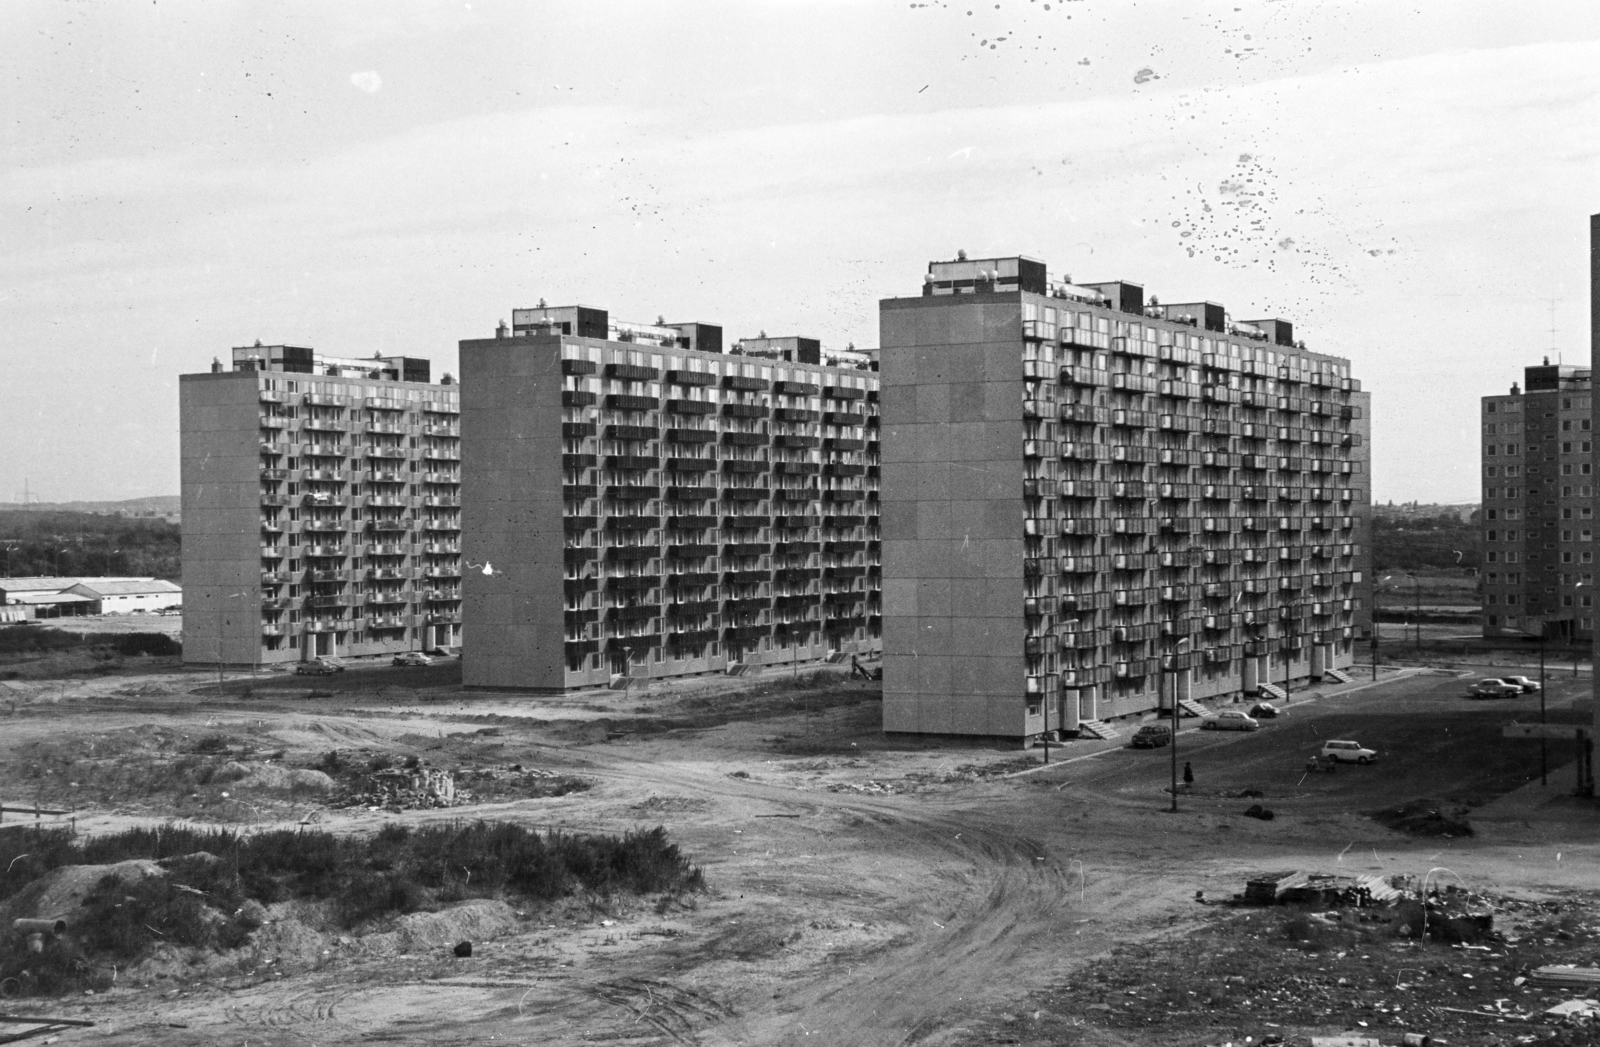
871, 786
401, 789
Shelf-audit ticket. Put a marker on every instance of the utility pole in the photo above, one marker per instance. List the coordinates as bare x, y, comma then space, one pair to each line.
1544, 766
1374, 634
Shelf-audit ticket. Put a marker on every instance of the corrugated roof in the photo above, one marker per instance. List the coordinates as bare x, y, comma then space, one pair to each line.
125, 586
37, 584
48, 597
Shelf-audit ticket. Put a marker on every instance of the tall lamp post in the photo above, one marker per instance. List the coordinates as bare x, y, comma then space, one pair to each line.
1376, 589
1160, 683
1417, 588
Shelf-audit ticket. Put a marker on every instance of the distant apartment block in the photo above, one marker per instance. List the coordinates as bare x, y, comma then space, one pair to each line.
321, 508
1095, 505
1539, 505
640, 503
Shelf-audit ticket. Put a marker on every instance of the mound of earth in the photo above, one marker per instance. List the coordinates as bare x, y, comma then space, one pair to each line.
1424, 817
60, 893
272, 778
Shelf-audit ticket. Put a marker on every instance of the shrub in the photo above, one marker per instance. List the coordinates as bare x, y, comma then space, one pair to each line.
134, 644
216, 879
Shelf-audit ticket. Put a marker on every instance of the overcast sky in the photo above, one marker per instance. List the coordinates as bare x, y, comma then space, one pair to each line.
1409, 187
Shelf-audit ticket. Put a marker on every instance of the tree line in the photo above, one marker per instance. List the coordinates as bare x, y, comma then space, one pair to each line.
65, 544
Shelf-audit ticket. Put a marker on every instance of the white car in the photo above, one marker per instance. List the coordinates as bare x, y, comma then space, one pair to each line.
1493, 689
1347, 752
1230, 720
1522, 683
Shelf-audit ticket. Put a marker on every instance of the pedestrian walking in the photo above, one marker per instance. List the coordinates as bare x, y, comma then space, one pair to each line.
1188, 773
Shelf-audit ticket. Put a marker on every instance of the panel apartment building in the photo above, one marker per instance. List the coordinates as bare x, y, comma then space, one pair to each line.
1538, 506
321, 508
1095, 504
639, 503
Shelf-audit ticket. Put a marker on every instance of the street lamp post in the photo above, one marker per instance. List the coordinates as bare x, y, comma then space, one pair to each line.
1160, 682
1544, 759
1417, 588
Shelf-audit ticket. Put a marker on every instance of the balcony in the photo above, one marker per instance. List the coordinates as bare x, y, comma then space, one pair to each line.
326, 550
442, 548
385, 453
385, 549
629, 402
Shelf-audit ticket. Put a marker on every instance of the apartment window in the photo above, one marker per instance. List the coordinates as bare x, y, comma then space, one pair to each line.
1566, 426
1566, 447
1586, 557
1490, 450
1491, 470
1489, 408
1511, 470
1566, 470
1566, 491
1491, 514
1511, 557
1583, 423
1494, 619
1511, 448
1566, 536
1491, 556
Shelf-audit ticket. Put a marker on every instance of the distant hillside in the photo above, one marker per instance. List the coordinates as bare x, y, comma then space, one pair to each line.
36, 541
155, 505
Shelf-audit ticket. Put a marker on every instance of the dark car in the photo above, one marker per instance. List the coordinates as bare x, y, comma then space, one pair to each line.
1152, 736
1264, 710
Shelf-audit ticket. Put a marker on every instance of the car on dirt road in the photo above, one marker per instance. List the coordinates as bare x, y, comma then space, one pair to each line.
413, 658
1493, 689
1343, 751
1152, 736
1230, 720
318, 667
1522, 683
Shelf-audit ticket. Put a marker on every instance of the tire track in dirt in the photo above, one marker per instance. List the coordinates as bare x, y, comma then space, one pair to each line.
1014, 900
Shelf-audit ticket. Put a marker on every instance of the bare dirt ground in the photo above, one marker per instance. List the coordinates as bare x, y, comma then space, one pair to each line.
861, 890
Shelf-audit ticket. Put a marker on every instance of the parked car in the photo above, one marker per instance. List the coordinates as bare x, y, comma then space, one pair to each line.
1152, 736
1264, 710
1493, 689
1230, 720
1522, 683
318, 667
1347, 752
412, 658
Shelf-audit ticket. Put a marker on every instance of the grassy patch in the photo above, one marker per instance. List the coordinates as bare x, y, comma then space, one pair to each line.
214, 875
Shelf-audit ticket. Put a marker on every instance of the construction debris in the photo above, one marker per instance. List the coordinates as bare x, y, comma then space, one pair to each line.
1567, 974
1322, 889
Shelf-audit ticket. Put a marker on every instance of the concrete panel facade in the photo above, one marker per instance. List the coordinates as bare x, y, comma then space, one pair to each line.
1093, 508
511, 492
649, 509
320, 513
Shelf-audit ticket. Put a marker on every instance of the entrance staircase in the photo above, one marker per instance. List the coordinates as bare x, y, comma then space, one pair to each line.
1272, 690
1096, 729
1190, 707
1337, 676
